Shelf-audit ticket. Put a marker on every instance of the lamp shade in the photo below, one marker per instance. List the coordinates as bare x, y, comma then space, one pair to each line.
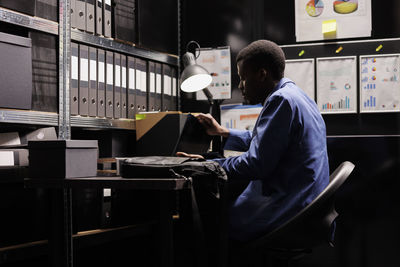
194, 77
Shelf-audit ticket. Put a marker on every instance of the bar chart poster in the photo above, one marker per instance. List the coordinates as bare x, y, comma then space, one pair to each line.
301, 71
379, 83
336, 85
217, 61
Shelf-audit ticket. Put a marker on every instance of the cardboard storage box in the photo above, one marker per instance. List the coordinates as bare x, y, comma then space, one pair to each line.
15, 71
62, 158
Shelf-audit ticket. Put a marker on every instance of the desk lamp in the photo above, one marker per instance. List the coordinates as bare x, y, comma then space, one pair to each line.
194, 77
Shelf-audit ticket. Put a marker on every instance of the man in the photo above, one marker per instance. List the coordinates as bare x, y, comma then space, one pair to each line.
285, 156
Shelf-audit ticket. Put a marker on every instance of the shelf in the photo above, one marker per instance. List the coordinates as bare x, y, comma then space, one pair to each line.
111, 44
157, 184
20, 252
126, 124
28, 117
35, 23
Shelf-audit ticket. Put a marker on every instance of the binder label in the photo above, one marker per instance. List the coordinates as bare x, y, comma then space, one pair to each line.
84, 70
101, 72
93, 70
117, 75
108, 2
158, 83
173, 86
123, 82
152, 83
131, 82
138, 79
110, 74
74, 67
143, 81
167, 85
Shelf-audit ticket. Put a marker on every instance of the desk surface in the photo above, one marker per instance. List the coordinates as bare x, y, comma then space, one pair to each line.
111, 182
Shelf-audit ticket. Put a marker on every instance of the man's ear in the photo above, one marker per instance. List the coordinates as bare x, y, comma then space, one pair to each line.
262, 74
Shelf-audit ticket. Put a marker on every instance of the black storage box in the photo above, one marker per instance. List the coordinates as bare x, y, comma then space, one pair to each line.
15, 72
62, 158
23, 6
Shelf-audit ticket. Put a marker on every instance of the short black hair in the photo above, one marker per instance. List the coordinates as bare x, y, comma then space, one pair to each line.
264, 54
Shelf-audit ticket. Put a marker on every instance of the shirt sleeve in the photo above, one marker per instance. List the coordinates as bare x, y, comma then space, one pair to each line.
270, 140
238, 140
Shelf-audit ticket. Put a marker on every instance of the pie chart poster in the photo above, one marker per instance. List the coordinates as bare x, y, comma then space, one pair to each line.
353, 18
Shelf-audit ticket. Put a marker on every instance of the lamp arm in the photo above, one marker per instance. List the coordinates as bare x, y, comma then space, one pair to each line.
209, 96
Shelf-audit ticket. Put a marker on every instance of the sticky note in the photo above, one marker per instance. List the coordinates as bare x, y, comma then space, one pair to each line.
329, 28
140, 117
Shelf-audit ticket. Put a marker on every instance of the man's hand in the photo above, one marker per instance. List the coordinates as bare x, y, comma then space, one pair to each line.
183, 154
211, 125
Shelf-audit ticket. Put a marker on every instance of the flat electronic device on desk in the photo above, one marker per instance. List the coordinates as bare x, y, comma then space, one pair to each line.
164, 133
193, 139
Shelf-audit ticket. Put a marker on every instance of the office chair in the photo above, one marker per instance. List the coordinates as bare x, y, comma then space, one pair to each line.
312, 226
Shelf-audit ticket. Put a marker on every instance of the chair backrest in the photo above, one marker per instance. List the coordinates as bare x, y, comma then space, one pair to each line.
313, 225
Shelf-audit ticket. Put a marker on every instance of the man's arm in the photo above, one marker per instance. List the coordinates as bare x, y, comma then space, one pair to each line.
267, 146
238, 140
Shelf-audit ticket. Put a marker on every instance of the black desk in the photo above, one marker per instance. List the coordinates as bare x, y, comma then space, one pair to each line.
60, 239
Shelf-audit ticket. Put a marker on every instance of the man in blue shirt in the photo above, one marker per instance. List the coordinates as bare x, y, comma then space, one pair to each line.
285, 156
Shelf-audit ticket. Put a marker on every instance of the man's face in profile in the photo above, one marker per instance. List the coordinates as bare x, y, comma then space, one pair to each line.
252, 83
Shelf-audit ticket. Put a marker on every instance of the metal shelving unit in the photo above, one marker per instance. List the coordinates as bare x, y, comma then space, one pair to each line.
63, 30
105, 123
29, 117
27, 21
110, 44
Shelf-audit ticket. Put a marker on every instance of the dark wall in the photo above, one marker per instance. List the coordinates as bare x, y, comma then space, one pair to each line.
158, 25
367, 230
237, 22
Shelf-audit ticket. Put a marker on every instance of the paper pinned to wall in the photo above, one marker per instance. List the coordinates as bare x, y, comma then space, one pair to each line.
337, 84
217, 61
301, 72
352, 17
379, 83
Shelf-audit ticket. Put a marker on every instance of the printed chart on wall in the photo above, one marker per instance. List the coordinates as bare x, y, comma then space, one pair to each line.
379, 83
301, 71
217, 61
336, 85
238, 116
343, 19
241, 117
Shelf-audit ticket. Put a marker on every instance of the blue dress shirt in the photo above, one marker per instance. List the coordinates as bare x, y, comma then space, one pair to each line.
285, 160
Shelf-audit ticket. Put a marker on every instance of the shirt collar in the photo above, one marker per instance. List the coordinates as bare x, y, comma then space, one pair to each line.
280, 84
